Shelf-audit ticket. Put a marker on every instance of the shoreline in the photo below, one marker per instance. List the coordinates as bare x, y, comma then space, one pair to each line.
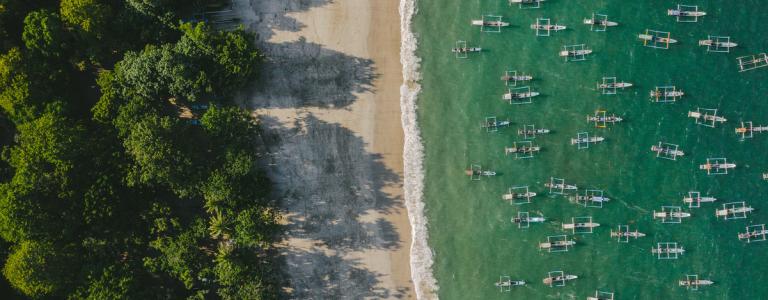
332, 97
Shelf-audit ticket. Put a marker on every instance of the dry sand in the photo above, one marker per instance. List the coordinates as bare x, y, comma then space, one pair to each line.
329, 100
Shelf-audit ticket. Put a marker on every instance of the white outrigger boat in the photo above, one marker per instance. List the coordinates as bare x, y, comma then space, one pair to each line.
580, 225
697, 282
516, 77
517, 220
674, 250
561, 186
706, 117
574, 53
513, 196
717, 44
521, 149
606, 23
673, 214
606, 119
551, 27
614, 85
710, 166
566, 277
666, 94
725, 212
466, 49
533, 131
591, 139
523, 95
470, 172
491, 124
591, 198
488, 23
628, 234
525, 1
556, 244
667, 151
753, 234
509, 283
691, 200
653, 38
684, 13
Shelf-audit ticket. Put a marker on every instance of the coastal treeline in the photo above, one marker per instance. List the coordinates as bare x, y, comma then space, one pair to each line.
127, 172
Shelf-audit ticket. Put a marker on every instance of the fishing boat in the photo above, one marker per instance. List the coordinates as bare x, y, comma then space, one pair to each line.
667, 94
684, 13
632, 234
509, 283
566, 277
691, 200
525, 1
523, 95
653, 38
696, 282
606, 23
532, 131
612, 85
556, 244
717, 44
528, 220
507, 77
668, 250
491, 124
753, 234
706, 117
561, 186
606, 119
513, 196
725, 212
717, 166
466, 49
591, 139
580, 225
672, 214
489, 23
521, 149
573, 53
551, 27
667, 151
592, 198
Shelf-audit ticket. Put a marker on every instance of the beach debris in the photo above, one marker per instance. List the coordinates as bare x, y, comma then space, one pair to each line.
686, 13
734, 211
656, 39
599, 22
490, 23
721, 44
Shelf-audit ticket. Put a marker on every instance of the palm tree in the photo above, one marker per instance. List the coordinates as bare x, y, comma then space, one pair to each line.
219, 226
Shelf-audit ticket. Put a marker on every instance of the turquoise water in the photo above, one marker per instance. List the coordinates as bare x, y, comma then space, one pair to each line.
470, 230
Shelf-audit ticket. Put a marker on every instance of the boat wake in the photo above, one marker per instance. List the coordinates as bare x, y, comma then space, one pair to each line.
425, 285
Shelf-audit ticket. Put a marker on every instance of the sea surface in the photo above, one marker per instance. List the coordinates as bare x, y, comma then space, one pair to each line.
470, 232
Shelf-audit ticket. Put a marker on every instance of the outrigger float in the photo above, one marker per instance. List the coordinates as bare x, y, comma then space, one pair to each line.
754, 233
692, 282
734, 210
667, 151
623, 234
558, 278
667, 250
557, 243
746, 130
671, 214
717, 166
505, 283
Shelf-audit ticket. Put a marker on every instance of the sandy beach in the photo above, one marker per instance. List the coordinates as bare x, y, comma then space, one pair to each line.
329, 100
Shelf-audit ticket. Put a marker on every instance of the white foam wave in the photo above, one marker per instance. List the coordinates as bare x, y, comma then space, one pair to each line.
424, 282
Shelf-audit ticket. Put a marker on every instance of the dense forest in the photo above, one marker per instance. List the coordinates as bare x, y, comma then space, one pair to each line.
127, 172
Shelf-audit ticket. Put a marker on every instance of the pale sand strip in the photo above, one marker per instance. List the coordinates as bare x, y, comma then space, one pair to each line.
340, 161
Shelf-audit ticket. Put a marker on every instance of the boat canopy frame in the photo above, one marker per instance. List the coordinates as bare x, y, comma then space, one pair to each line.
491, 124
746, 128
518, 190
582, 140
583, 219
553, 239
666, 254
733, 206
510, 77
687, 8
604, 295
670, 149
477, 171
556, 181
589, 195
523, 216
543, 22
670, 211
599, 22
693, 278
461, 45
716, 41
661, 94
751, 62
758, 230
654, 42
707, 117
608, 81
502, 288
574, 48
520, 89
529, 128
491, 29
556, 283
695, 199
528, 4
